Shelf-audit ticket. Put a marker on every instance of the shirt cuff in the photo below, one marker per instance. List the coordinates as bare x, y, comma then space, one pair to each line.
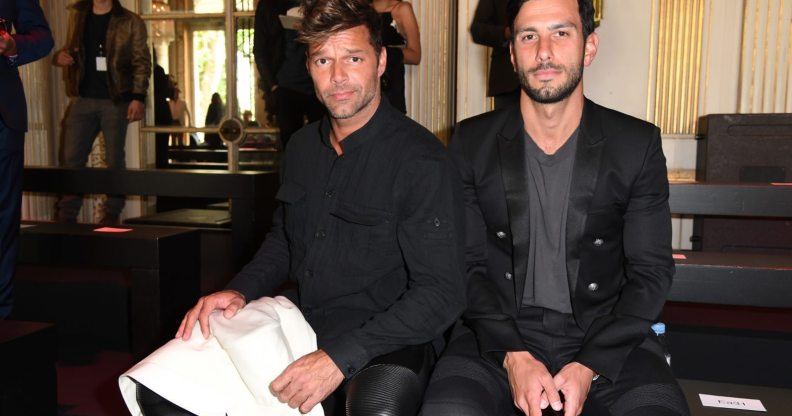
347, 355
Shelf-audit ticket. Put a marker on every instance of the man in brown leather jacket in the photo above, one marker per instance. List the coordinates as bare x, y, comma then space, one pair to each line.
107, 66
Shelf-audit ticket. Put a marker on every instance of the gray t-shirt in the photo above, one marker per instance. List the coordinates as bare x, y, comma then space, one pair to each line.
549, 178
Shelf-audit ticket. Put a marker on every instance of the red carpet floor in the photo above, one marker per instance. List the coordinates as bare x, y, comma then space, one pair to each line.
91, 388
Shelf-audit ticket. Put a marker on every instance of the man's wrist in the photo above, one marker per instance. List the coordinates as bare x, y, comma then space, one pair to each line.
595, 375
509, 356
12, 59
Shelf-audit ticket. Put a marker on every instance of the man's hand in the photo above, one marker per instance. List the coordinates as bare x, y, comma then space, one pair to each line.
530, 382
229, 301
135, 111
307, 381
64, 58
574, 380
7, 44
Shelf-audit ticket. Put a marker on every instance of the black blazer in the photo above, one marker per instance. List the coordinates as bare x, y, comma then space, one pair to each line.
34, 40
489, 23
619, 264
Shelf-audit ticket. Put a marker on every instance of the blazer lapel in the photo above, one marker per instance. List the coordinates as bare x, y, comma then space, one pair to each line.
585, 173
511, 150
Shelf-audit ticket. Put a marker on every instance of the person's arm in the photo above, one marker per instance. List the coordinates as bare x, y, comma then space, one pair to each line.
141, 60
141, 71
268, 269
407, 24
488, 27
648, 265
33, 38
429, 234
495, 330
189, 115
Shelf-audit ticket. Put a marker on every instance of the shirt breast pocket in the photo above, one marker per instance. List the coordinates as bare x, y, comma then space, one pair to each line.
367, 239
292, 199
363, 225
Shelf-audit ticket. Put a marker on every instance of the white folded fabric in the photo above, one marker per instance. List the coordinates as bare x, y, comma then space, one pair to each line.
228, 374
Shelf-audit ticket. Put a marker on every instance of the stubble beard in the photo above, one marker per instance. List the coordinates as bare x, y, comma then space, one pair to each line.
341, 113
549, 95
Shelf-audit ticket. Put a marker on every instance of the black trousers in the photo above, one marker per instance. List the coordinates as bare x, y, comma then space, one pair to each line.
293, 110
389, 385
464, 384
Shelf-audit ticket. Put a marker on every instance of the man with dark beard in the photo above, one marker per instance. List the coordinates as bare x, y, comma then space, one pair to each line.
568, 243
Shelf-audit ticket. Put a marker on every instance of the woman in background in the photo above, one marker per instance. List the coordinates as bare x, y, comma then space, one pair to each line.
402, 37
214, 114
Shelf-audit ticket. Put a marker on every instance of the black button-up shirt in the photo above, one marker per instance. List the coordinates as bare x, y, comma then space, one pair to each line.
373, 238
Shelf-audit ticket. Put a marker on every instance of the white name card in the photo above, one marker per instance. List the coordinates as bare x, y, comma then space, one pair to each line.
732, 403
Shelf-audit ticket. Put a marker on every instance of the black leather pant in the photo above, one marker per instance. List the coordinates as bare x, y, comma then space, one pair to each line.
390, 385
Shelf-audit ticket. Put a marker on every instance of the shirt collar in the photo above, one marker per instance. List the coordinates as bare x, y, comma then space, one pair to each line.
370, 131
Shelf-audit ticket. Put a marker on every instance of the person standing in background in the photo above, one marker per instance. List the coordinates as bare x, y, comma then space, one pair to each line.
280, 60
163, 89
32, 40
107, 66
214, 115
402, 37
490, 27
180, 112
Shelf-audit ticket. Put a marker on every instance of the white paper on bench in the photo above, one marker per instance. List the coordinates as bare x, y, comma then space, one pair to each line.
732, 402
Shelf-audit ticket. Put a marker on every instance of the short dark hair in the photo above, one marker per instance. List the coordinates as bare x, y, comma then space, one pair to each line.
585, 8
324, 18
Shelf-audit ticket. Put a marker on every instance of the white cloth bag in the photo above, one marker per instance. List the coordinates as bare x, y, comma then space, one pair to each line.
229, 373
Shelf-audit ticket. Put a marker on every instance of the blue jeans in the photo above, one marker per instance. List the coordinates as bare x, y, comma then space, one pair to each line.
85, 118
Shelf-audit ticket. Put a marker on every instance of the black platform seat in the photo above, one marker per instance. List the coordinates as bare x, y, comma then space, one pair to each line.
252, 194
740, 279
28, 382
160, 265
777, 402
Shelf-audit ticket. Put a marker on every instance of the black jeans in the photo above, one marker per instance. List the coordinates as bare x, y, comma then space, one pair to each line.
464, 384
389, 385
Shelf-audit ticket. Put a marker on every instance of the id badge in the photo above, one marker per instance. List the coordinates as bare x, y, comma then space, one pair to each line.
101, 64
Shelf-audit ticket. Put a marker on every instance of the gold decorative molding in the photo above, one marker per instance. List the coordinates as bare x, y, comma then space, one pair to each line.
679, 50
598, 12
765, 70
430, 86
472, 66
